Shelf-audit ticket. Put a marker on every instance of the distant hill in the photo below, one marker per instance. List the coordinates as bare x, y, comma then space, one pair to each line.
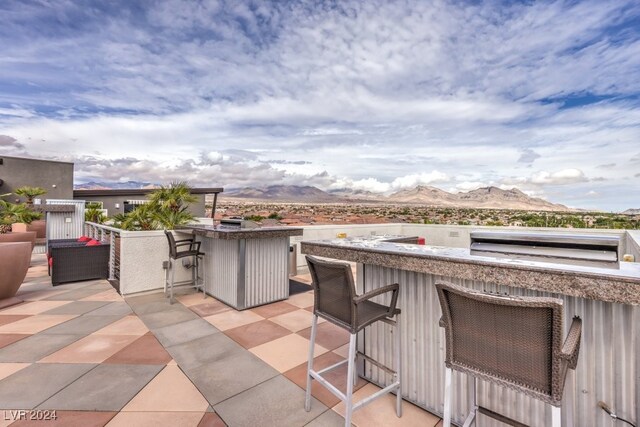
129, 185
631, 212
487, 197
284, 193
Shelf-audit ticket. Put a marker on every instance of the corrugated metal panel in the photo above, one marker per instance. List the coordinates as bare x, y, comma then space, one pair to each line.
58, 227
266, 271
221, 267
608, 367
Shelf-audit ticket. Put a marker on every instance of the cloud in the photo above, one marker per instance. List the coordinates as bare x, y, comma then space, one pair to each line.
369, 94
528, 156
563, 177
10, 145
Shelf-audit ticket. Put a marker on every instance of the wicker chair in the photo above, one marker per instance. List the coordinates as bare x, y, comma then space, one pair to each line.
336, 301
179, 249
515, 342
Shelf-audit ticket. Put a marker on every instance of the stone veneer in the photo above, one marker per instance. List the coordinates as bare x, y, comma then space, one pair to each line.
238, 233
602, 284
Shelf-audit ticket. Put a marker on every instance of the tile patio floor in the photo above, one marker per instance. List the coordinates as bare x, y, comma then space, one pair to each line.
98, 359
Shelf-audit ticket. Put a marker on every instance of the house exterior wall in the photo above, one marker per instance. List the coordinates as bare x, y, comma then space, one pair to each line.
115, 204
55, 177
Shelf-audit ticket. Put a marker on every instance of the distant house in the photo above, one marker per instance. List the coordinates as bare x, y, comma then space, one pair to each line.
125, 200
53, 176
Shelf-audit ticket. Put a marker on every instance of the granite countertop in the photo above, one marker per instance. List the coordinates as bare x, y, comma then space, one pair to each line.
621, 285
229, 233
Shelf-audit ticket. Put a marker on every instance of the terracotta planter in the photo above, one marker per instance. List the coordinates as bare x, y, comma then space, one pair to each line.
27, 236
18, 227
40, 227
14, 263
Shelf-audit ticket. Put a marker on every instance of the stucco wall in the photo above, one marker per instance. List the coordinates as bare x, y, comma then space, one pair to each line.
55, 177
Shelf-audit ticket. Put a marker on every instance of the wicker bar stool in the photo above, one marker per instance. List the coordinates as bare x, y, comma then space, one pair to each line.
336, 301
512, 341
179, 249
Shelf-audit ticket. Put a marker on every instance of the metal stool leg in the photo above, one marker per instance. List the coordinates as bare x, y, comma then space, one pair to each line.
350, 367
202, 278
173, 276
556, 416
307, 397
166, 276
446, 421
398, 366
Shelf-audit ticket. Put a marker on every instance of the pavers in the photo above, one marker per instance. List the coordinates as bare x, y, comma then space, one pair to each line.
184, 332
118, 308
229, 374
274, 403
202, 350
145, 350
170, 390
76, 307
29, 387
75, 294
36, 347
105, 388
168, 317
82, 325
327, 419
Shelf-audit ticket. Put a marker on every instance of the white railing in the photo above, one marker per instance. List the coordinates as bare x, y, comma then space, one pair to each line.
106, 234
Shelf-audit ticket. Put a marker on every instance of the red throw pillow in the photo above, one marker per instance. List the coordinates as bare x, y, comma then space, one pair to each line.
84, 239
93, 243
51, 262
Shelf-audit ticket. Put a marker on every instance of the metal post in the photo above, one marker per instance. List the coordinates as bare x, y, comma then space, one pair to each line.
398, 366
446, 420
556, 416
213, 209
350, 367
307, 397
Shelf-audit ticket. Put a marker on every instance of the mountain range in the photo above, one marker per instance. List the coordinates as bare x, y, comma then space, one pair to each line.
486, 197
128, 185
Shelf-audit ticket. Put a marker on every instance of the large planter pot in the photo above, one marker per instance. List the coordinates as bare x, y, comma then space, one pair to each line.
14, 263
18, 227
40, 227
27, 236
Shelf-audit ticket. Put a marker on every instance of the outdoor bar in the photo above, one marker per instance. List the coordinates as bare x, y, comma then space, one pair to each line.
607, 299
245, 267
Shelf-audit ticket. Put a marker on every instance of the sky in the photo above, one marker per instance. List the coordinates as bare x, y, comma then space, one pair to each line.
369, 95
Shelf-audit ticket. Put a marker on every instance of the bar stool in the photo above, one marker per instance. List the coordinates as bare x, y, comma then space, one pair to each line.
190, 248
336, 301
512, 341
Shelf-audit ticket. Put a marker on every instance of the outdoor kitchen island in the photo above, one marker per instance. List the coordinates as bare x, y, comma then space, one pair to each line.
245, 267
607, 300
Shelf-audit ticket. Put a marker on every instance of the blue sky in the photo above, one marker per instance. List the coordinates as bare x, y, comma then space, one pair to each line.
373, 95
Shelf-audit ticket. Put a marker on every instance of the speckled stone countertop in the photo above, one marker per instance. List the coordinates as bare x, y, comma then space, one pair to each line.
620, 285
218, 232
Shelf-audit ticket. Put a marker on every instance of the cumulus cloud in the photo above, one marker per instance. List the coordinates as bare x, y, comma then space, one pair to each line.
565, 176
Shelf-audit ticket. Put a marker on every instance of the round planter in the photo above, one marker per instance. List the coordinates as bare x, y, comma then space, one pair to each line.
14, 263
27, 236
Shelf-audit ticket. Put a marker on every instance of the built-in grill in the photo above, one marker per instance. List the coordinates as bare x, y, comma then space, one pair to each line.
577, 249
237, 223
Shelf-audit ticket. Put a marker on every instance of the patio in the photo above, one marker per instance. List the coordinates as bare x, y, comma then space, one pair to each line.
100, 359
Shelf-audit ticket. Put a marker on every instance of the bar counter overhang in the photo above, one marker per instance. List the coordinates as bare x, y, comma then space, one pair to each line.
607, 300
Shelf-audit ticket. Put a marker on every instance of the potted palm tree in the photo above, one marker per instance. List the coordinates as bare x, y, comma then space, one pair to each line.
30, 193
172, 203
35, 223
